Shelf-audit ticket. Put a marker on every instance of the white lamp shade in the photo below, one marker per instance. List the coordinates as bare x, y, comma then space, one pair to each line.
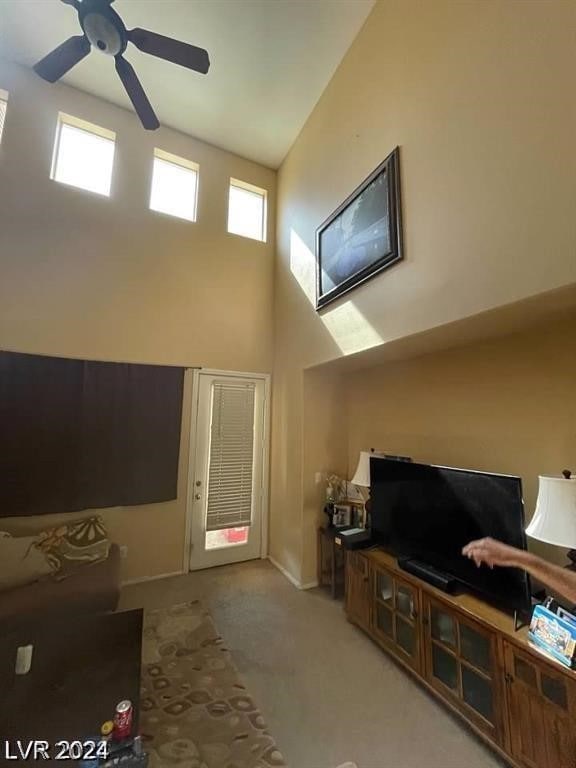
362, 474
554, 520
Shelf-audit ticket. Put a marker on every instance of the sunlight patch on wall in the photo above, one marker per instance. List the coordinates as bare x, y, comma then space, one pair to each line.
350, 329
345, 323
303, 266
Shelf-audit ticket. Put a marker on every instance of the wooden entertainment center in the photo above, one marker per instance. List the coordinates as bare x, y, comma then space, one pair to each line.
467, 654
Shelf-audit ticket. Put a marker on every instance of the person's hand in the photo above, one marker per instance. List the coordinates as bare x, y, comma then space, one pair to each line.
492, 552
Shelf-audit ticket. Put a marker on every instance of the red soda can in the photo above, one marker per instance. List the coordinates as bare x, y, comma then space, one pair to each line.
123, 720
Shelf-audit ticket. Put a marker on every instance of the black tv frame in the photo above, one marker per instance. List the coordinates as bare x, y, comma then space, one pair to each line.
518, 610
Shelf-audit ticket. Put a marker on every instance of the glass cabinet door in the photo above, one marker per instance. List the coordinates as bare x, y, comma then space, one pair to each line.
475, 648
395, 616
477, 692
460, 663
444, 667
405, 636
385, 588
405, 600
384, 620
443, 627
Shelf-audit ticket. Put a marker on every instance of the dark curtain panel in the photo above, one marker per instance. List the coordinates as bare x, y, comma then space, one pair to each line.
131, 433
77, 434
40, 427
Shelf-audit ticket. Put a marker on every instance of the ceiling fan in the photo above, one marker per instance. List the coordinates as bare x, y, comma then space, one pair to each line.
104, 30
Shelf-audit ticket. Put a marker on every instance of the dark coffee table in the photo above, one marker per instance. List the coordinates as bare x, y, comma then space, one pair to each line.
81, 668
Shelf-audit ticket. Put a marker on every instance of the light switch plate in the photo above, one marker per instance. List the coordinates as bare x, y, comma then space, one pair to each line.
24, 659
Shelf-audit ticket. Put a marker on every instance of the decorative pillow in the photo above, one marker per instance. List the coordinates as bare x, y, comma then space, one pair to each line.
69, 547
21, 562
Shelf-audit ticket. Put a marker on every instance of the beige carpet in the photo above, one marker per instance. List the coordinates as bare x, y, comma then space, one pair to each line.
195, 710
328, 693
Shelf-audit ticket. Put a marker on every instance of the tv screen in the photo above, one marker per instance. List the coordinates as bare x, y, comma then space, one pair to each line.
429, 513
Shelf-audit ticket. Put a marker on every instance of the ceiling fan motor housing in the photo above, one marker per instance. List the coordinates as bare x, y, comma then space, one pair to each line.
103, 27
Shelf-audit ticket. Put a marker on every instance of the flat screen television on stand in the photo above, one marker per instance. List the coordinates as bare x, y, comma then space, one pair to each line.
427, 513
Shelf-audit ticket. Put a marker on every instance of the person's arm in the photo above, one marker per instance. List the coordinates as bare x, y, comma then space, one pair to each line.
493, 553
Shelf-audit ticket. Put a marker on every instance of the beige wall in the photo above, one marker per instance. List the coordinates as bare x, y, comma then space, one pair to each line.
504, 406
474, 93
91, 277
325, 451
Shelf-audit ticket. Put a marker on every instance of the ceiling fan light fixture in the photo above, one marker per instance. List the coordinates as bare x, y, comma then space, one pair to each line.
104, 30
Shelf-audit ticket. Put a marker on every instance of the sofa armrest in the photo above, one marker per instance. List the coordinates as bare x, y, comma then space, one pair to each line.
91, 589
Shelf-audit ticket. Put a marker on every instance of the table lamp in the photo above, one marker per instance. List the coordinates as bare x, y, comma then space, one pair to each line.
362, 474
554, 520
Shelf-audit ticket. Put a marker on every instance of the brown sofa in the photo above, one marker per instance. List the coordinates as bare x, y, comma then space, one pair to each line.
91, 589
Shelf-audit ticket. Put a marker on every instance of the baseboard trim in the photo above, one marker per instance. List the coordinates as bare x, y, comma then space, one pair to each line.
309, 585
142, 579
292, 579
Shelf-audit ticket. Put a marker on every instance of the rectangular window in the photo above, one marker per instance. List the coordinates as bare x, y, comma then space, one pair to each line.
174, 186
83, 155
3, 108
247, 210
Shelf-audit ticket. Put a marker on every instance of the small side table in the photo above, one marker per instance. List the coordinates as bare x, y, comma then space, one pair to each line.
331, 561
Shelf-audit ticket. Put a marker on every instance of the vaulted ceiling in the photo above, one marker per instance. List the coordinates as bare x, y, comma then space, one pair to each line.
270, 62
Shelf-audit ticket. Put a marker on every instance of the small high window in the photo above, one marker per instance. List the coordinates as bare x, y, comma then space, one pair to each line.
3, 108
247, 210
174, 186
83, 155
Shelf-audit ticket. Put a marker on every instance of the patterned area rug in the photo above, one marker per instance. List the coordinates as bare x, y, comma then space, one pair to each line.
194, 710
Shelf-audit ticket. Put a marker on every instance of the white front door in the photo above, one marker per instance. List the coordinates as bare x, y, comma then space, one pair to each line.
227, 498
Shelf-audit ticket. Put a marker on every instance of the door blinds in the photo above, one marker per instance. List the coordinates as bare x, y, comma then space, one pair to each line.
231, 460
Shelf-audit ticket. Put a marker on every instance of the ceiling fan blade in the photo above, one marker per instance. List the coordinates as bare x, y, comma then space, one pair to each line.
136, 93
171, 50
63, 58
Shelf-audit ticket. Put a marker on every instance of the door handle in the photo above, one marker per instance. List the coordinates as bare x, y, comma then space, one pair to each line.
198, 496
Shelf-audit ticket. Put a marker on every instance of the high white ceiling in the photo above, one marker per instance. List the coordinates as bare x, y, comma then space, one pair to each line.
270, 62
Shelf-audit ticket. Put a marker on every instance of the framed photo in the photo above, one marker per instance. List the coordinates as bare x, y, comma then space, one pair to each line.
342, 515
358, 514
363, 236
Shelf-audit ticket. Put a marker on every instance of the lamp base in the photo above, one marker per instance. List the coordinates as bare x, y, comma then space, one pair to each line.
572, 557
368, 513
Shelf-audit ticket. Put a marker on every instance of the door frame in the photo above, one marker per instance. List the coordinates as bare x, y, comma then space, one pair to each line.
265, 491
